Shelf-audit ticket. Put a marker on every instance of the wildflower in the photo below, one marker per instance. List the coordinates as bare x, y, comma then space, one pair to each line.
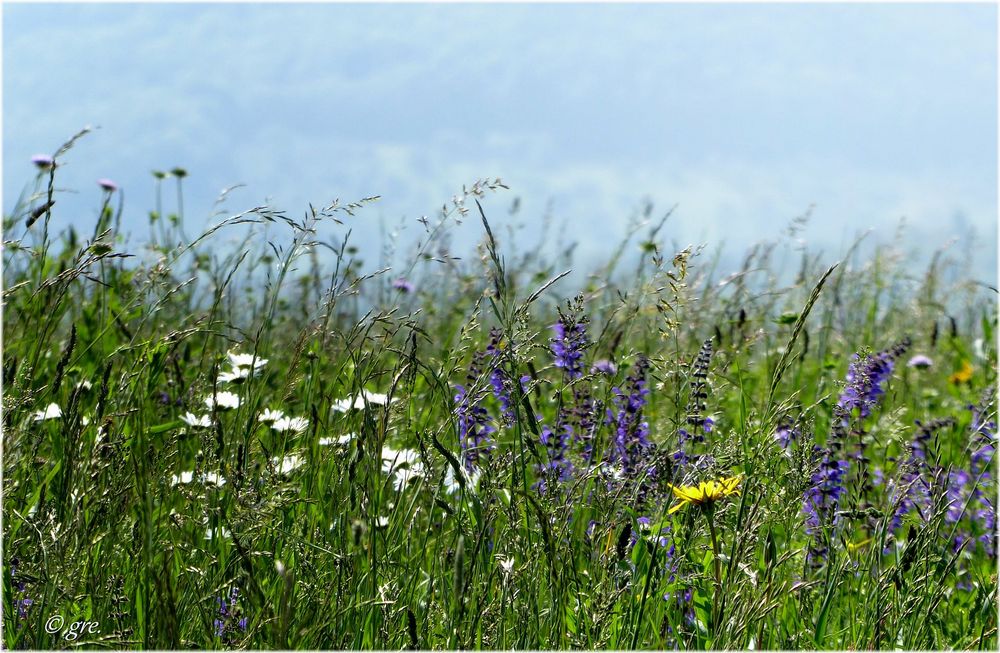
609, 472
963, 375
230, 619
359, 402
213, 478
604, 366
977, 348
185, 477
223, 401
340, 440
52, 411
865, 379
452, 483
192, 420
705, 493
576, 420
270, 416
403, 465
854, 546
920, 362
558, 468
822, 500
243, 367
498, 378
631, 439
43, 161
910, 488
506, 564
786, 434
569, 342
294, 424
288, 464
977, 487
863, 392
392, 457
699, 392
212, 533
107, 185
403, 286
23, 601
473, 425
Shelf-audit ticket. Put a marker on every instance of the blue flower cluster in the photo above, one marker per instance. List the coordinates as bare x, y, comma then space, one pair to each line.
22, 601
865, 387
912, 486
569, 343
866, 379
230, 620
631, 437
822, 501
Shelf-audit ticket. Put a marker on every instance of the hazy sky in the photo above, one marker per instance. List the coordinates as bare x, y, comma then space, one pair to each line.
743, 116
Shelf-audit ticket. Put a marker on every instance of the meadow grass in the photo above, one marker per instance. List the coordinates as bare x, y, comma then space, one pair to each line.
450, 470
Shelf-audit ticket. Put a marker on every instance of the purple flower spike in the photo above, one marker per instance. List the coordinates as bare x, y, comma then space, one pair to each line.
920, 362
604, 366
43, 161
107, 185
403, 285
568, 344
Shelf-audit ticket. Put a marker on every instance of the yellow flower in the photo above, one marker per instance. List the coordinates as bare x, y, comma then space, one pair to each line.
705, 492
854, 546
964, 375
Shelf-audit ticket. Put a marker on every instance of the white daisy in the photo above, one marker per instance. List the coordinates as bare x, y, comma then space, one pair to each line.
609, 471
213, 479
52, 411
271, 415
404, 475
381, 522
246, 360
192, 420
288, 464
296, 424
506, 563
243, 367
210, 533
392, 458
343, 439
234, 375
360, 401
223, 401
451, 482
404, 466
185, 477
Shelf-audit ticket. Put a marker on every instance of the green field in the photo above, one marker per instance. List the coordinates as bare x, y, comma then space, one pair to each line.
473, 452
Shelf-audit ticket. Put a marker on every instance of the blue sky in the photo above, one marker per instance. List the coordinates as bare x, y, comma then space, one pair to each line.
741, 115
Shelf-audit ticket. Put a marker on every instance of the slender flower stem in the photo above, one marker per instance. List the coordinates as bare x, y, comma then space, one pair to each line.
709, 515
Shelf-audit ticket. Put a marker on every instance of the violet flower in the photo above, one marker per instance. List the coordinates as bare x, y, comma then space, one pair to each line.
403, 285
230, 620
474, 428
43, 161
569, 342
631, 438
